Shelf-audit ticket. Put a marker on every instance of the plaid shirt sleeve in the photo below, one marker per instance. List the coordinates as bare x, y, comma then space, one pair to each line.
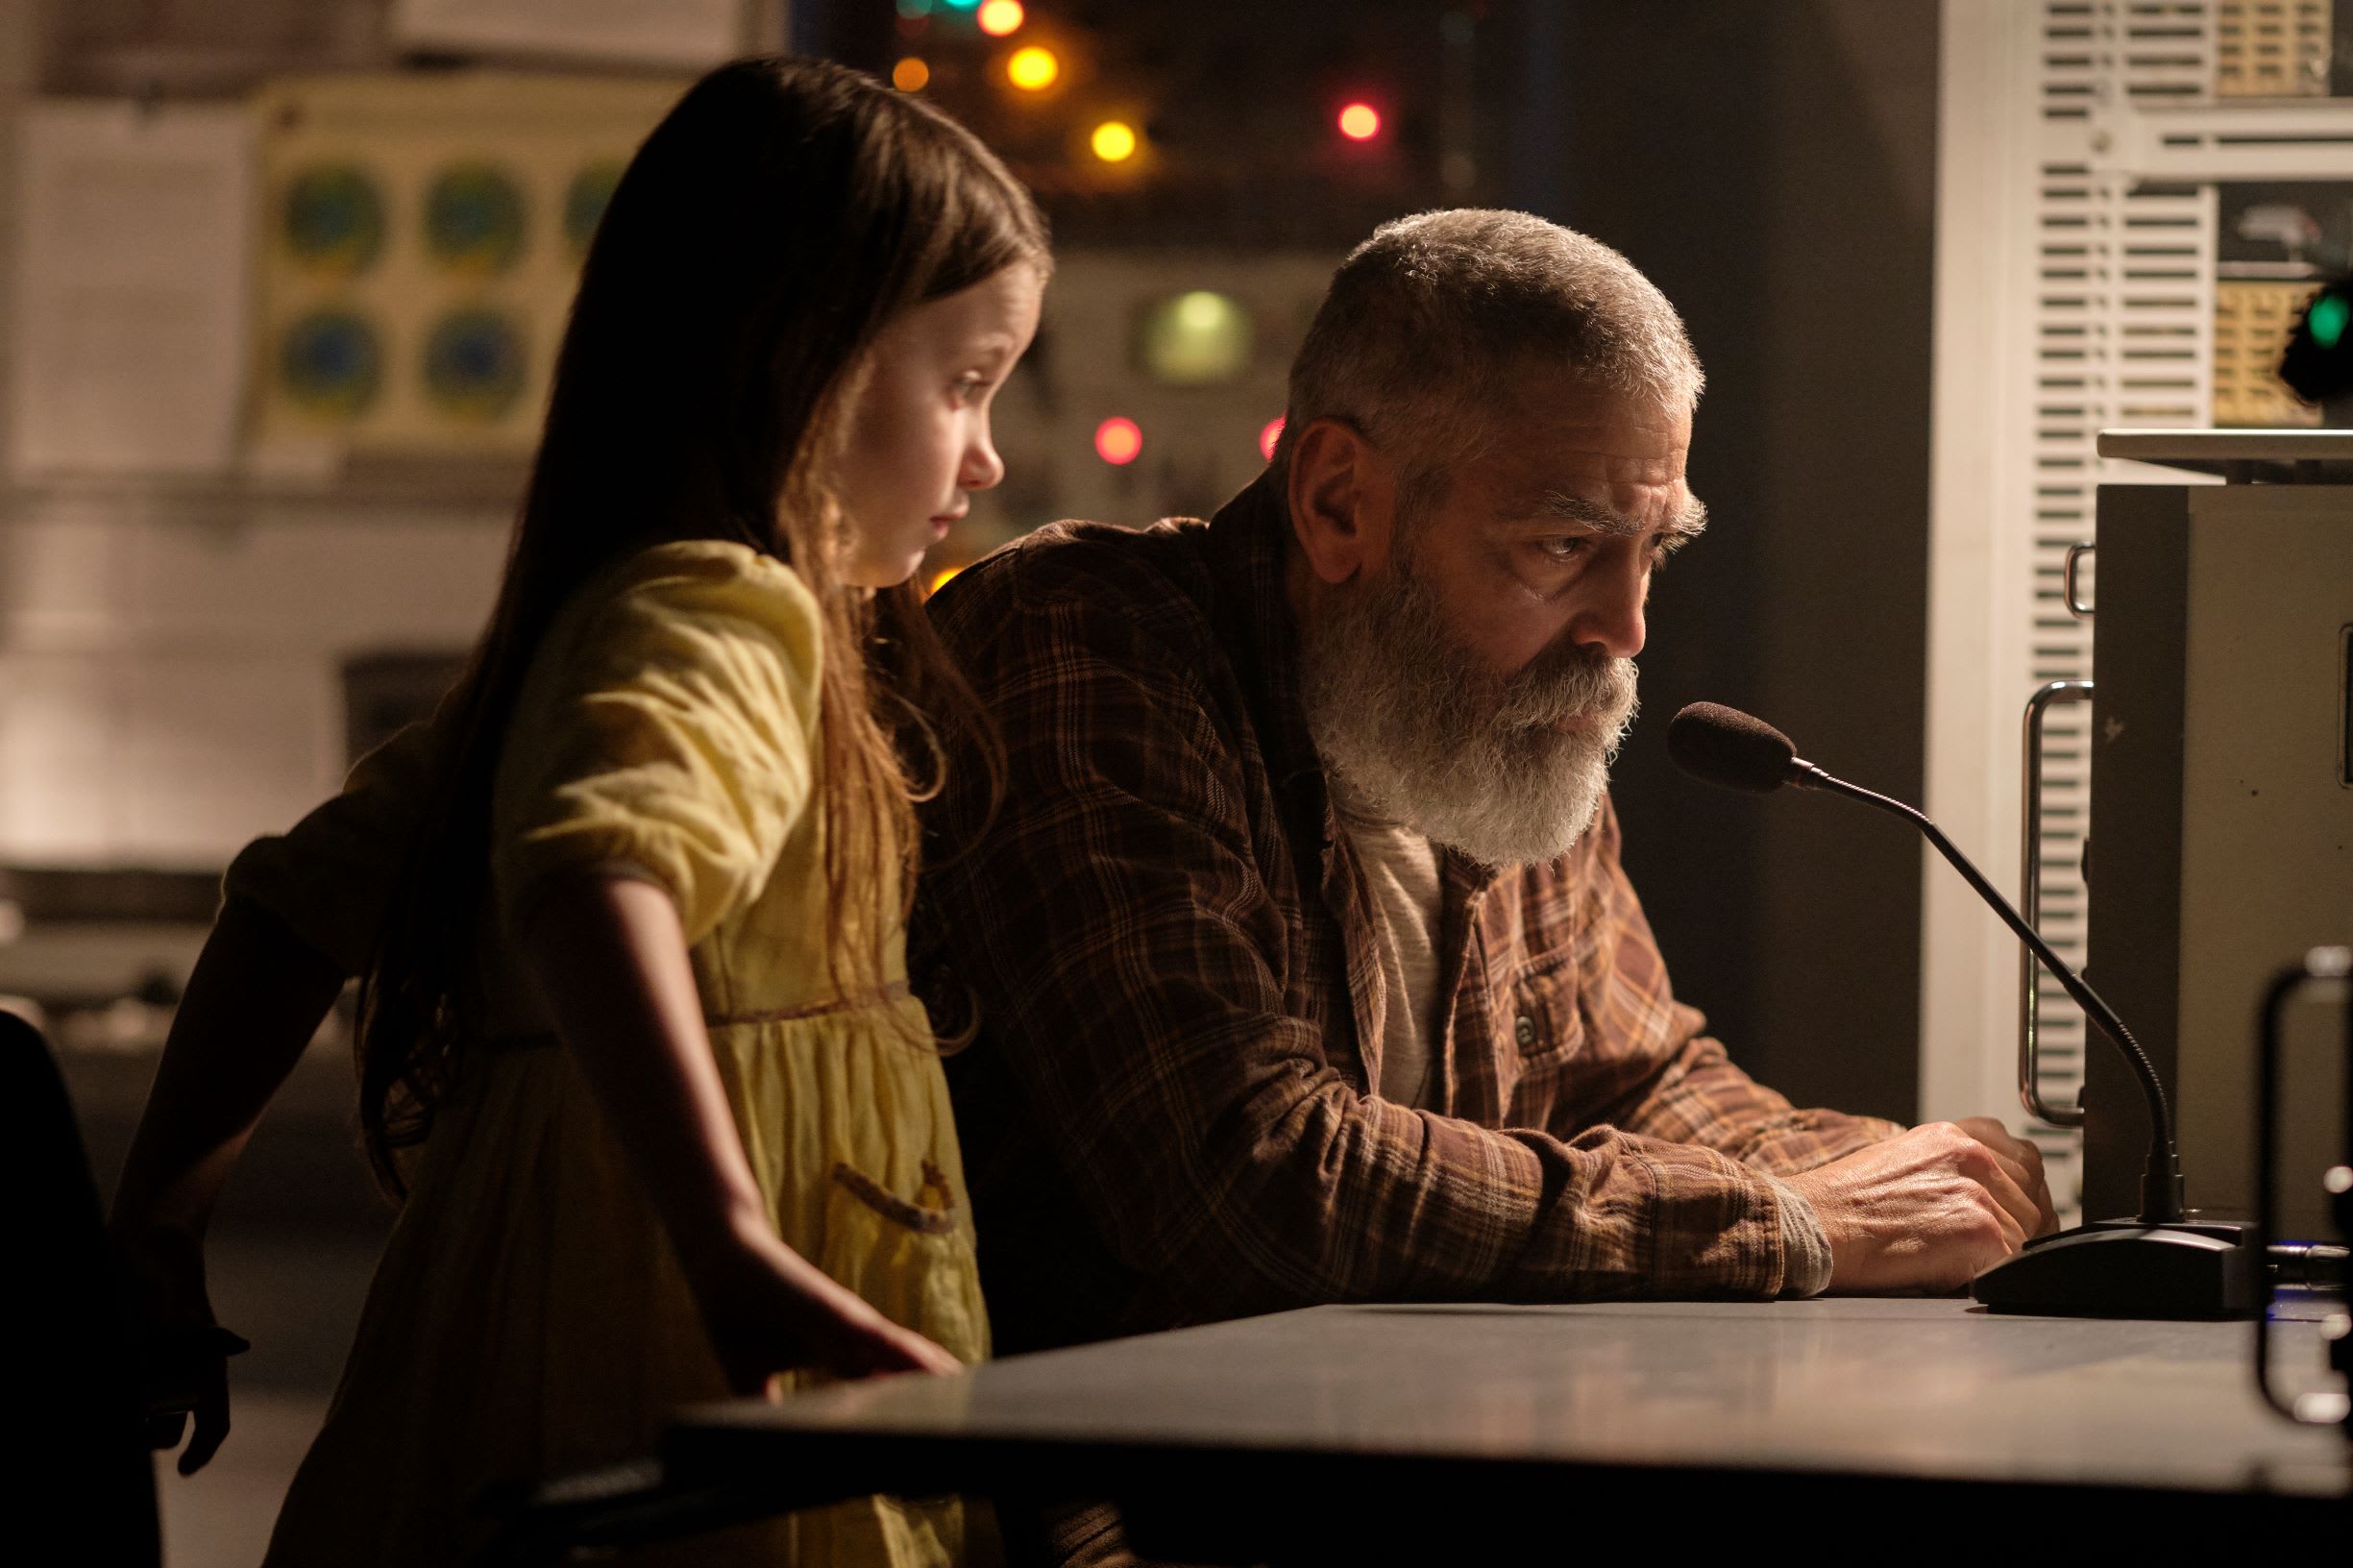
1685, 1088
1116, 926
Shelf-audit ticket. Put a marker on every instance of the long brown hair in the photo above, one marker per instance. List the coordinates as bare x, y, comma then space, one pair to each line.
776, 220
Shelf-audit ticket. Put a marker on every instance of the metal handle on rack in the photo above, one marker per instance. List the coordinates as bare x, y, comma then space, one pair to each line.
2071, 573
2325, 969
2030, 888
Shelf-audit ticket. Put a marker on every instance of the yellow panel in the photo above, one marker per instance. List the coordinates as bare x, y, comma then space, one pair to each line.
416, 264
2272, 48
2252, 320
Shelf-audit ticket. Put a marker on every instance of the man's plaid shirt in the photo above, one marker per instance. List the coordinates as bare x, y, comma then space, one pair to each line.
1167, 1109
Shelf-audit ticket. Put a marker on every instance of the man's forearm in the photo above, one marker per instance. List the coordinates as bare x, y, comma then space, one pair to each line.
1700, 1096
1308, 1193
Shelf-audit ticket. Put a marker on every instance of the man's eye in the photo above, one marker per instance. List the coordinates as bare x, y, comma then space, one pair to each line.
1565, 546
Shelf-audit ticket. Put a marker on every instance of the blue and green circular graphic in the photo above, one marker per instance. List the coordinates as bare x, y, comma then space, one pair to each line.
584, 203
474, 364
331, 363
333, 219
474, 219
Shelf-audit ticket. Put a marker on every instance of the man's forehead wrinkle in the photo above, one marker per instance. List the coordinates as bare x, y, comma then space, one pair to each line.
1689, 518
1593, 514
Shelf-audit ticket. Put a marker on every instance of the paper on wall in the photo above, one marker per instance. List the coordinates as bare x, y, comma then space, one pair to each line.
654, 32
131, 320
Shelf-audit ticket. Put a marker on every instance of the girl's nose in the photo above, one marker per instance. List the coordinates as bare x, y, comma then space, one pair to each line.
982, 468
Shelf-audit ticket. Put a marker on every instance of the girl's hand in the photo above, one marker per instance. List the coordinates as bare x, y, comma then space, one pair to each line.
610, 959
769, 1310
182, 1355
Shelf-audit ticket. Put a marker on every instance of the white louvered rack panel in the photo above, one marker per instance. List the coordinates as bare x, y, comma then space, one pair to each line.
2124, 316
2081, 144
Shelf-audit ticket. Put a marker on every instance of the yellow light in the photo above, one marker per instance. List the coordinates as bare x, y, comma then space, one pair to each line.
1114, 141
1359, 122
1033, 70
998, 18
910, 75
938, 580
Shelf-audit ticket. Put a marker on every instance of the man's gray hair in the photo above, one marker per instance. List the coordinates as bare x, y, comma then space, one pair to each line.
1424, 318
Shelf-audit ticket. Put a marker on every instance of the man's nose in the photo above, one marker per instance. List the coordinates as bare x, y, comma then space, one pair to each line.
1609, 619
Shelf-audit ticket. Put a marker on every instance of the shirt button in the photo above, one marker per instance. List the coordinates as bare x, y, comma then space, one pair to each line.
1524, 1030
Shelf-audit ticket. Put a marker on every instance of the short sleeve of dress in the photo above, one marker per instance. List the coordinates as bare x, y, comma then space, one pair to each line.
330, 877
667, 733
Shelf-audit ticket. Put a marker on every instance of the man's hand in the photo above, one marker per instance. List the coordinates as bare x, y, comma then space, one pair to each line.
1926, 1212
2023, 1160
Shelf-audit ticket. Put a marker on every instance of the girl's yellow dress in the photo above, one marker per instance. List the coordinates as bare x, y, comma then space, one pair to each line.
528, 1316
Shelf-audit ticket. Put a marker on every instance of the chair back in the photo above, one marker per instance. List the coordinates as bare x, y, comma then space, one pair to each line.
83, 1475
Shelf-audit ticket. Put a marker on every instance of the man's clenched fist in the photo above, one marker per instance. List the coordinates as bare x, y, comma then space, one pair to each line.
1931, 1210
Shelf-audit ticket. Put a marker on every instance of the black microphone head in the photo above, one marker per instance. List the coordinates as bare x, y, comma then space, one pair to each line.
1725, 745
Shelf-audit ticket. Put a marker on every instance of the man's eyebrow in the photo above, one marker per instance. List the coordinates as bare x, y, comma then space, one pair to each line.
1688, 523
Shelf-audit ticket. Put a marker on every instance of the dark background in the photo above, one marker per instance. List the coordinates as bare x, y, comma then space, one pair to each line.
1772, 167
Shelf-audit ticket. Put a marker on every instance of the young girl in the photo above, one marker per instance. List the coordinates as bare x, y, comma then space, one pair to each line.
635, 1032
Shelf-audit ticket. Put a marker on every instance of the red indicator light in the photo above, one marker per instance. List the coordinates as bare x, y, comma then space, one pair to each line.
1267, 437
1359, 122
1118, 441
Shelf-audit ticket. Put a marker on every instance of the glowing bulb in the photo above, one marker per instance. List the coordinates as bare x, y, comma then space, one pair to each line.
1118, 441
1112, 142
1033, 70
910, 75
938, 578
998, 18
1359, 122
1201, 310
2327, 319
1267, 437
964, 4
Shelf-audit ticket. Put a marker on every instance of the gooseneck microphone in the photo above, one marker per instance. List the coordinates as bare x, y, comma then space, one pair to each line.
1741, 751
2153, 1265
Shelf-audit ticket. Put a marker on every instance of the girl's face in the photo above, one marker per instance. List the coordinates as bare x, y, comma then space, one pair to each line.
919, 435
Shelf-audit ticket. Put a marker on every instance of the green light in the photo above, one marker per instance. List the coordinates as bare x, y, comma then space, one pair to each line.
2329, 314
1198, 338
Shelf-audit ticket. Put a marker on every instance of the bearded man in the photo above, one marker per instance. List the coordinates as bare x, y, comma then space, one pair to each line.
1303, 967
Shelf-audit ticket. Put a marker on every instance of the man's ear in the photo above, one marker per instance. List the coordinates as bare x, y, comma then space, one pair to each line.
1342, 495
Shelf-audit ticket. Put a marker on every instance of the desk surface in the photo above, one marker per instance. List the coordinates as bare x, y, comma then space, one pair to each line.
1922, 1391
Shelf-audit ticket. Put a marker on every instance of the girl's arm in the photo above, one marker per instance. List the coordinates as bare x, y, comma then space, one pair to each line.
256, 996
609, 955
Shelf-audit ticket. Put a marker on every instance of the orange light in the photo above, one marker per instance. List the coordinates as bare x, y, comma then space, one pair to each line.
1118, 441
998, 18
1267, 437
1114, 141
1359, 122
938, 580
910, 75
1033, 70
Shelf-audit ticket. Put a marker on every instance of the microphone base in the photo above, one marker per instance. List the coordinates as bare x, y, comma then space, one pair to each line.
2194, 1269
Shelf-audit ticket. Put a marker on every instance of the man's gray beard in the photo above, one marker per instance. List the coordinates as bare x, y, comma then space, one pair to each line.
1410, 729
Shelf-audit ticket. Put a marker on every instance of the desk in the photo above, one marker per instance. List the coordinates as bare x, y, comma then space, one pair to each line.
1463, 1432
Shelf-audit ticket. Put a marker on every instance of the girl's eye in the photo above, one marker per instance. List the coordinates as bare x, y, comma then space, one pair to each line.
969, 386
